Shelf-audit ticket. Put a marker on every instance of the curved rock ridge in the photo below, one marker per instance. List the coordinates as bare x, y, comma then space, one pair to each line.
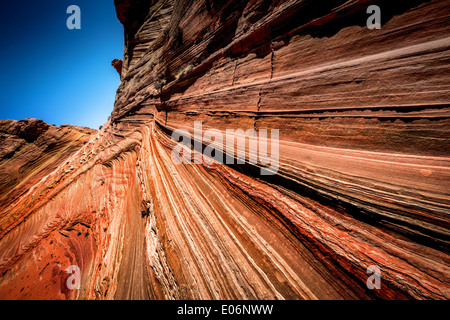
363, 173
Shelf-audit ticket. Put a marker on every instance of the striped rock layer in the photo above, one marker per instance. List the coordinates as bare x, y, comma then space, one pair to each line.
363, 175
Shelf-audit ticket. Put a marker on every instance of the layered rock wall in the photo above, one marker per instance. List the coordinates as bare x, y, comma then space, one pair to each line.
363, 175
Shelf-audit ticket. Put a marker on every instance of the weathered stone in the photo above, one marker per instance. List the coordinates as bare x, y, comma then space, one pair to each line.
364, 174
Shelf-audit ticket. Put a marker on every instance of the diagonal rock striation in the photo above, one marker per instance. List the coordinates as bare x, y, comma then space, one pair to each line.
363, 173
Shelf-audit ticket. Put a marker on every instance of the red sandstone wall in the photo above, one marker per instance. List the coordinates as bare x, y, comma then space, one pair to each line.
364, 164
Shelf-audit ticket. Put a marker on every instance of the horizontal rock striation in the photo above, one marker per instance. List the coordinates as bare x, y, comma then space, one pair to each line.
363, 176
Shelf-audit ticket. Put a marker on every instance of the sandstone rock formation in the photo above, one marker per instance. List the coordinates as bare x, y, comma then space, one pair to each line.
364, 167
117, 64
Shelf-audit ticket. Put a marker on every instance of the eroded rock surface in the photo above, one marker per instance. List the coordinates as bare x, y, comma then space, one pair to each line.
364, 167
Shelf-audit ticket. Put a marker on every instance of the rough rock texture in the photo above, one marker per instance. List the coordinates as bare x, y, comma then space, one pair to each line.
30, 150
364, 168
117, 64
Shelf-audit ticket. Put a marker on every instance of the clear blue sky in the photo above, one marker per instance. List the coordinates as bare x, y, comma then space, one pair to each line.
52, 73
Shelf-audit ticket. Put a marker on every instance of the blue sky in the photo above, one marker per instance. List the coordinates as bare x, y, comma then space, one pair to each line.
55, 74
